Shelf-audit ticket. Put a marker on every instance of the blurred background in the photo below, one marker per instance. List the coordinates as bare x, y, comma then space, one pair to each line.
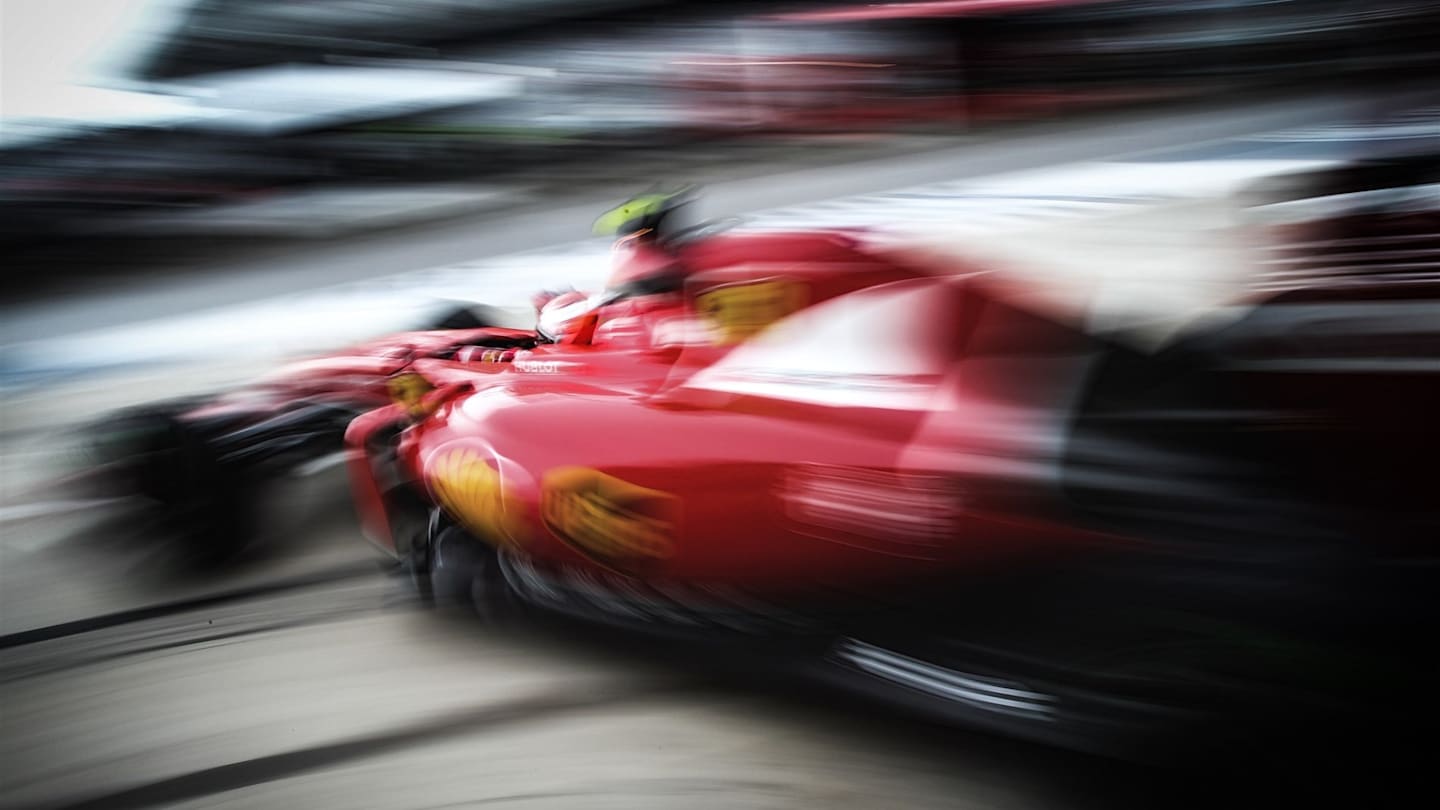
192, 190
124, 115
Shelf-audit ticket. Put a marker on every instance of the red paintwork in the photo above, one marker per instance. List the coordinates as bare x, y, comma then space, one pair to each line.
745, 473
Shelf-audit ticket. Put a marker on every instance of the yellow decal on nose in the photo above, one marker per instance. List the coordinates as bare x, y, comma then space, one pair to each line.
608, 519
737, 311
473, 492
407, 389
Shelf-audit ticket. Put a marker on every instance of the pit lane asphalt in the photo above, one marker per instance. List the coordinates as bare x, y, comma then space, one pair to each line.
348, 696
347, 693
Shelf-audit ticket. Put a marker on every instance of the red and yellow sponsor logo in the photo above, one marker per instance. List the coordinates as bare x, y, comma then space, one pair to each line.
473, 492
738, 311
607, 519
407, 389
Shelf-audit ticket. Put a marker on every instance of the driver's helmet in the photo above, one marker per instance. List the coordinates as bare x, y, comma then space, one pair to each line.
646, 227
652, 216
562, 317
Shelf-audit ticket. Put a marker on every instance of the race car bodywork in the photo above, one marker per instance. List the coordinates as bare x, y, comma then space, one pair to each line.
810, 440
895, 474
831, 450
921, 486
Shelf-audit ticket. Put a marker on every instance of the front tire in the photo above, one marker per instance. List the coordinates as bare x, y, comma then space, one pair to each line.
453, 569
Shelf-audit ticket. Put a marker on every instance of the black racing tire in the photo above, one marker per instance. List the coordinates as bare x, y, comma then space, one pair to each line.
417, 559
207, 508
136, 447
461, 572
217, 506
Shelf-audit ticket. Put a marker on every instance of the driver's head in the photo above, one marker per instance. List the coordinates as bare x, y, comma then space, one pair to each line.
653, 216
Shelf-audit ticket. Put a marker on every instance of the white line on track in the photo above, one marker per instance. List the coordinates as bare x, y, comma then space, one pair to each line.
30, 511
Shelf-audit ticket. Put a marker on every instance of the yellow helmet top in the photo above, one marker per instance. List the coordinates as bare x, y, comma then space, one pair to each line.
638, 209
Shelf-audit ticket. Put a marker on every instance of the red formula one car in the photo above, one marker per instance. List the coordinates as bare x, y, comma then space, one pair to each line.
880, 472
905, 480
895, 473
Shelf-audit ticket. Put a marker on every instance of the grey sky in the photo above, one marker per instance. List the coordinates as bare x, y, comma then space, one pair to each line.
53, 53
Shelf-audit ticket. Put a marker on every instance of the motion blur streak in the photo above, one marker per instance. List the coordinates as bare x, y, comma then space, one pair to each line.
641, 404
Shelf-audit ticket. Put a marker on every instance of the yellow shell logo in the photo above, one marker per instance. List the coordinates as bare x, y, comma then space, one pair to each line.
608, 519
738, 311
473, 493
